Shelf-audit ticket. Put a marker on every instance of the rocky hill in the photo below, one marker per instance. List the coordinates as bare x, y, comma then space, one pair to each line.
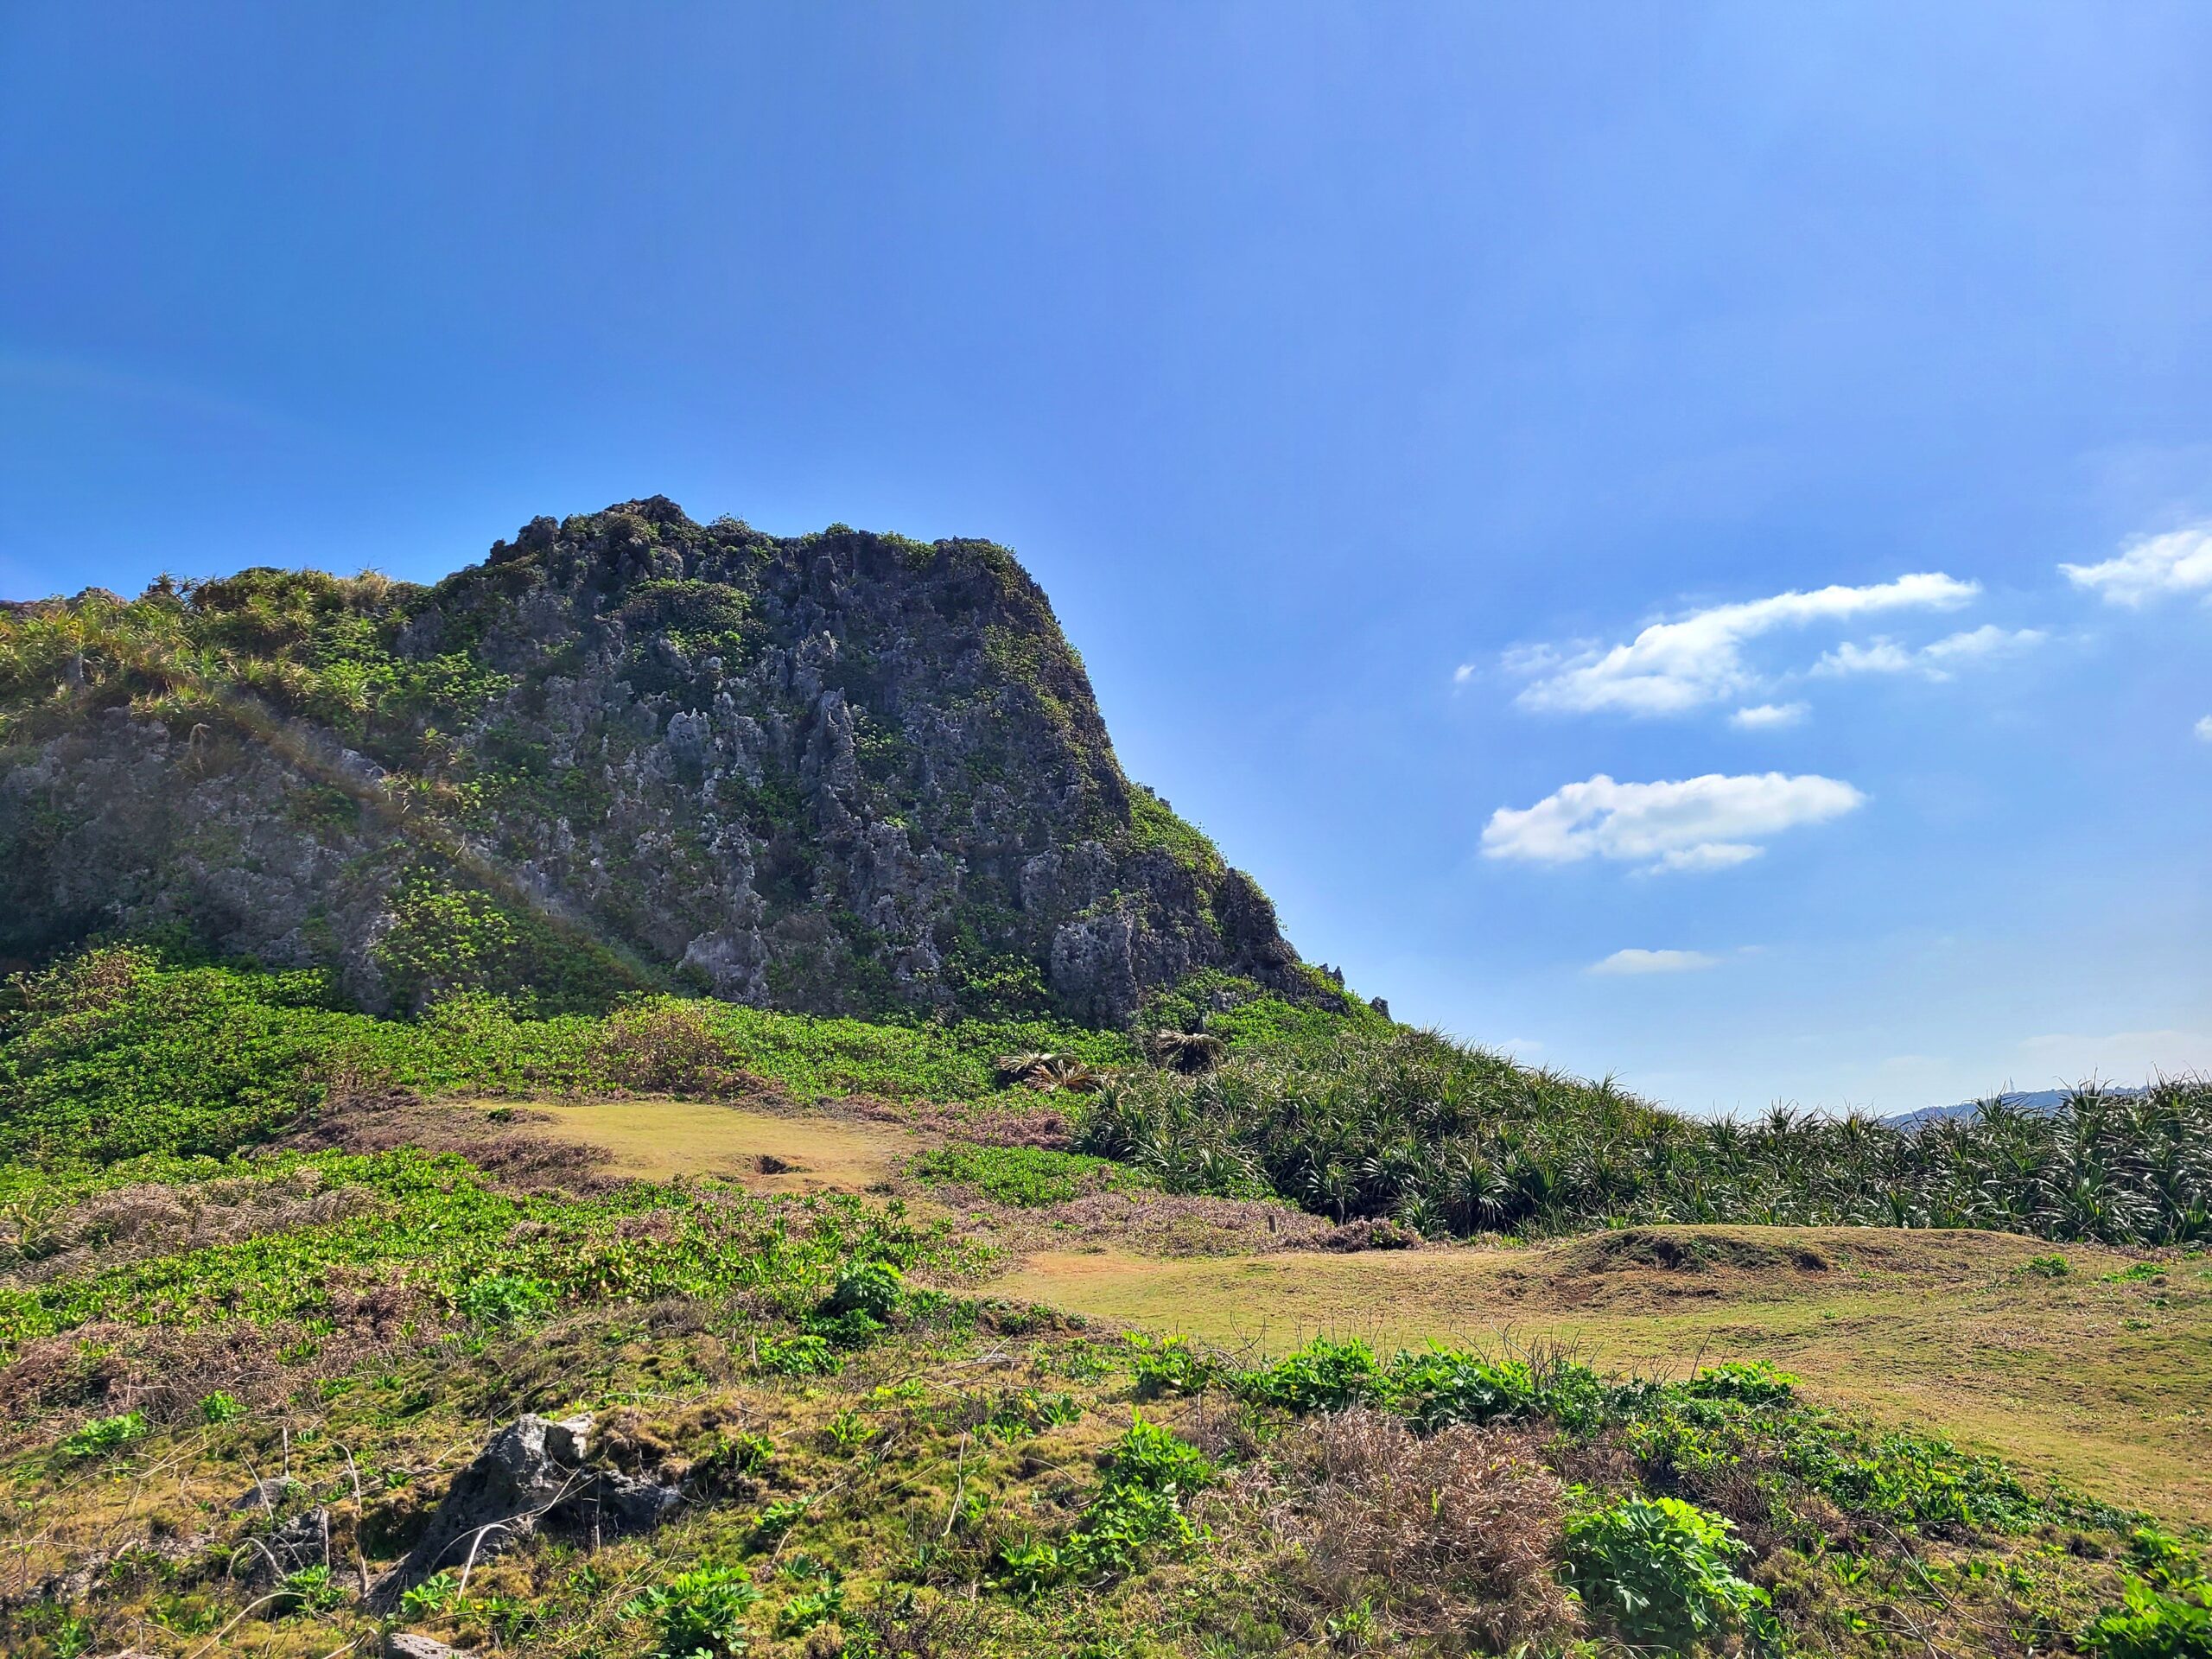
837, 773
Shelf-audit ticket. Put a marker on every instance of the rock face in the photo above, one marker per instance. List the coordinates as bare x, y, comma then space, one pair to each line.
531, 1474
840, 773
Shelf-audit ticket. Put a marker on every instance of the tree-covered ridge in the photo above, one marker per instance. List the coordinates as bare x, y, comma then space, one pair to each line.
841, 772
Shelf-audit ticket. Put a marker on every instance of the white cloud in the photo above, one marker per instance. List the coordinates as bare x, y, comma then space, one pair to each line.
1768, 717
1880, 657
1698, 823
1653, 961
2179, 561
1708, 855
1462, 674
1696, 659
1936, 660
2204, 729
1988, 641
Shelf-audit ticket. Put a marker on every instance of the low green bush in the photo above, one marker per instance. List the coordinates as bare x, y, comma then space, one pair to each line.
220, 1407
807, 1608
1446, 1385
1662, 1573
807, 1354
2140, 1273
1323, 1376
104, 1434
504, 1299
699, 1612
1752, 1383
1169, 1365
875, 1288
1028, 1176
310, 1591
2156, 1619
2166, 1610
1149, 1474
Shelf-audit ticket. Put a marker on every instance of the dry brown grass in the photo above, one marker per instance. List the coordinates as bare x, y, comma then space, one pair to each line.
669, 1048
1149, 1224
153, 1220
767, 1151
1454, 1537
510, 1148
1019, 1119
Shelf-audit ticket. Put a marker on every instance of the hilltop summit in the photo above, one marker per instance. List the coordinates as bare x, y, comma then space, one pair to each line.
835, 772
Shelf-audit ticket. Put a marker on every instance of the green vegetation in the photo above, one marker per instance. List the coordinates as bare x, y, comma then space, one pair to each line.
104, 1434
1662, 1573
2165, 1612
1371, 1121
497, 1258
872, 1458
701, 1611
1147, 1477
1029, 1177
112, 1054
208, 1277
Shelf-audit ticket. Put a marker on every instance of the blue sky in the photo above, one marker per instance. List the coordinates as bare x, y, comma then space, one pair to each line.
1536, 483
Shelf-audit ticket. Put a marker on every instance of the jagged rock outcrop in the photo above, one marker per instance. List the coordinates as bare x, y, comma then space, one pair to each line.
839, 772
533, 1474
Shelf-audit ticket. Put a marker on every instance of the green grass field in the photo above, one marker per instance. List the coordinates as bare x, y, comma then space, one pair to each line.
919, 1376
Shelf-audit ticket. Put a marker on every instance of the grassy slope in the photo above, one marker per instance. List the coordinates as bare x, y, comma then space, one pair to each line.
1942, 1330
375, 1309
2106, 1385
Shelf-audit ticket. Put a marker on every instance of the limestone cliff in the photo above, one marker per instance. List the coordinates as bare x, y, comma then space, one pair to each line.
841, 772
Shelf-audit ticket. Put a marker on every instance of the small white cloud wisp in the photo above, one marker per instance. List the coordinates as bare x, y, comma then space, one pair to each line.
1692, 824
2156, 567
1693, 660
2204, 729
1631, 962
1935, 661
1769, 717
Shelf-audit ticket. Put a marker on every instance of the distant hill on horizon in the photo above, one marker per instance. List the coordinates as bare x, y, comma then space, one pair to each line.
2034, 1100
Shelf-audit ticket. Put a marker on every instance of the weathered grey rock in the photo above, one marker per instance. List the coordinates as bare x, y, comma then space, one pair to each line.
820, 772
404, 1644
302, 1540
272, 1494
532, 1474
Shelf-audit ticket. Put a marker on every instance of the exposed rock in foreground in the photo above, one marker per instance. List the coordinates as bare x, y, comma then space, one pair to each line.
534, 1473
